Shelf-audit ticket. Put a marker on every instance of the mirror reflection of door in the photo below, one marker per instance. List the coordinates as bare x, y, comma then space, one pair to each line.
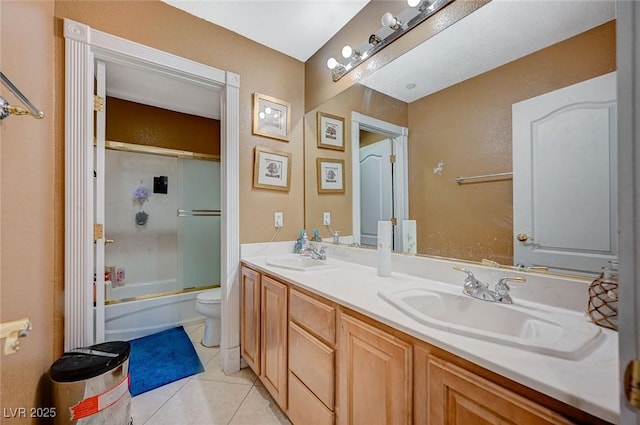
564, 181
376, 184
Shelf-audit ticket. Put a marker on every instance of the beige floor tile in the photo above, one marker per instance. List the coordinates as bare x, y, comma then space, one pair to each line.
201, 402
259, 409
144, 405
205, 353
196, 333
190, 328
213, 372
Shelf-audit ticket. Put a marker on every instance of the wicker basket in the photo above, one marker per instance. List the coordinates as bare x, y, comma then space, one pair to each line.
603, 303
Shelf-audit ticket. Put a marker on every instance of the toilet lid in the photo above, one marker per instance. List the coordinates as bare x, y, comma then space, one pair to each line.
210, 297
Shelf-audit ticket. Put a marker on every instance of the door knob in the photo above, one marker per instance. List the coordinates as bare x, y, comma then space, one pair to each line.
523, 237
109, 241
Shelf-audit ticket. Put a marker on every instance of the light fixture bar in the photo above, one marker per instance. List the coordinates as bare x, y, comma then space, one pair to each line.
385, 35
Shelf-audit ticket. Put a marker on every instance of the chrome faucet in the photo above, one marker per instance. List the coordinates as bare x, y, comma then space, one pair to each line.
477, 289
318, 254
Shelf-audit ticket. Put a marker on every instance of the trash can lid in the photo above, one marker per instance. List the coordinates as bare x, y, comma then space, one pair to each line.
89, 362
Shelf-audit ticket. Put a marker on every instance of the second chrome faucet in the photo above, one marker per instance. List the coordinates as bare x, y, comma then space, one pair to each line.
477, 289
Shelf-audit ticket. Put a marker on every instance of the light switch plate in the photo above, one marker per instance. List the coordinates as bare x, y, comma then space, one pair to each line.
278, 219
326, 218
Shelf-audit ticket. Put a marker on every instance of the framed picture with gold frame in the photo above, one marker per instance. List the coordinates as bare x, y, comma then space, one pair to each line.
271, 117
271, 169
330, 131
330, 173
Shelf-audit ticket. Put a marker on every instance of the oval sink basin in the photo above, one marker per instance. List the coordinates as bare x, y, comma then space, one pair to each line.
298, 262
534, 329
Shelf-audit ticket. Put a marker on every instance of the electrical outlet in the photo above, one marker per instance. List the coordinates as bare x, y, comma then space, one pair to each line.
278, 219
326, 218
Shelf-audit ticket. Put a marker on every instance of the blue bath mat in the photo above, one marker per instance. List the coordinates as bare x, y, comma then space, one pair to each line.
161, 358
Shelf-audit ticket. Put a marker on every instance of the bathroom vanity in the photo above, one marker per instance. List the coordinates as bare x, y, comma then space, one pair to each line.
331, 350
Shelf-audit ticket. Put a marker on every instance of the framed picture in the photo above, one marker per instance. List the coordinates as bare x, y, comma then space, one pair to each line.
271, 117
271, 169
330, 131
330, 175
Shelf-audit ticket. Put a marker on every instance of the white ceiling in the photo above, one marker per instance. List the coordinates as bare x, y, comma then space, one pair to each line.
495, 34
297, 28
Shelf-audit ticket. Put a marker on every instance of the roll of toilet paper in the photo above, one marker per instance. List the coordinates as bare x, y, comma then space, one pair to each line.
409, 241
385, 232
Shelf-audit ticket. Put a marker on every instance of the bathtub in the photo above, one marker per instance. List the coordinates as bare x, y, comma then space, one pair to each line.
139, 289
133, 319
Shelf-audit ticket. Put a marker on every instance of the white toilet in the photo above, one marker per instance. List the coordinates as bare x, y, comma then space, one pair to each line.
208, 304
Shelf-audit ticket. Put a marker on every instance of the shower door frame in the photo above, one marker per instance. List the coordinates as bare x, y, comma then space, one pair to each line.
84, 45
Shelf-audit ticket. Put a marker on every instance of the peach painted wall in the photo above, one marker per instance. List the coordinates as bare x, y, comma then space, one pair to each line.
261, 70
132, 122
468, 126
27, 197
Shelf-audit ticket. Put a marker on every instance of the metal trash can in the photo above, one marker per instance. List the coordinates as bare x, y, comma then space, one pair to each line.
91, 385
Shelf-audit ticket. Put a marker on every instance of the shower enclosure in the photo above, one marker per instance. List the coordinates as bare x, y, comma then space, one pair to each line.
162, 213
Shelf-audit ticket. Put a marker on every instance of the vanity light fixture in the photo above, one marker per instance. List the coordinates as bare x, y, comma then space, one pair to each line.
393, 27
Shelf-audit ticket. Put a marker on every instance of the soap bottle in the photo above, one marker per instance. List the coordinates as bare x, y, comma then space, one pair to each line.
298, 246
316, 236
305, 243
603, 297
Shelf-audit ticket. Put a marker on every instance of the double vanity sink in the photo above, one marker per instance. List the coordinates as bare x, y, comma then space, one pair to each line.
525, 325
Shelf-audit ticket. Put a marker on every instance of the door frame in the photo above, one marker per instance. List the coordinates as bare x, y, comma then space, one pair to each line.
82, 46
627, 40
400, 138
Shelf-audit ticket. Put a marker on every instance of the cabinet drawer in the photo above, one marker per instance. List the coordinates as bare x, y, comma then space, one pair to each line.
313, 363
314, 315
304, 407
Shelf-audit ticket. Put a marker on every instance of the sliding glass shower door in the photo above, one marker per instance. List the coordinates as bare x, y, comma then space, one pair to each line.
199, 224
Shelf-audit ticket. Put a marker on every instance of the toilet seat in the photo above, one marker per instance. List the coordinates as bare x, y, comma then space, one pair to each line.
209, 297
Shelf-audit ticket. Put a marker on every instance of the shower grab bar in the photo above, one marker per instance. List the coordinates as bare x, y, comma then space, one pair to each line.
198, 213
461, 179
6, 109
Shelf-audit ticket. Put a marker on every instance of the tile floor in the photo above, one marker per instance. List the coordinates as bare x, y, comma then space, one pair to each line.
209, 397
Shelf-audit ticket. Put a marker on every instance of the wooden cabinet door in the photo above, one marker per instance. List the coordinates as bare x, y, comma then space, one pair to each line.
459, 397
374, 375
274, 340
250, 318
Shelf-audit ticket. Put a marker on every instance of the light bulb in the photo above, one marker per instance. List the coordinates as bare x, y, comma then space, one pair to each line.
347, 51
332, 63
388, 20
261, 115
413, 3
267, 110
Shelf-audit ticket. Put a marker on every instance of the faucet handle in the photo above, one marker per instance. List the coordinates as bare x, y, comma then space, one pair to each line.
462, 269
502, 288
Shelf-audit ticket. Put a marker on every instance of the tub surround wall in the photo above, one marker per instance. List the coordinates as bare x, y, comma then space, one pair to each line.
150, 252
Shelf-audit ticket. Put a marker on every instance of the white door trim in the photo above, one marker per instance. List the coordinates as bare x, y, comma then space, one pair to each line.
628, 39
82, 46
400, 137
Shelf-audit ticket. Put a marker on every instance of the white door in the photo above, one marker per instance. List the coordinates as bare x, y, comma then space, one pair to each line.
99, 176
564, 177
376, 189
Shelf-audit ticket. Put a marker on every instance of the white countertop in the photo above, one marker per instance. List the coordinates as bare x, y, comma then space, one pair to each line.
589, 384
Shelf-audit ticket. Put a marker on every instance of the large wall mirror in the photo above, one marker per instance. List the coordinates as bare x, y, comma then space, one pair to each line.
465, 96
